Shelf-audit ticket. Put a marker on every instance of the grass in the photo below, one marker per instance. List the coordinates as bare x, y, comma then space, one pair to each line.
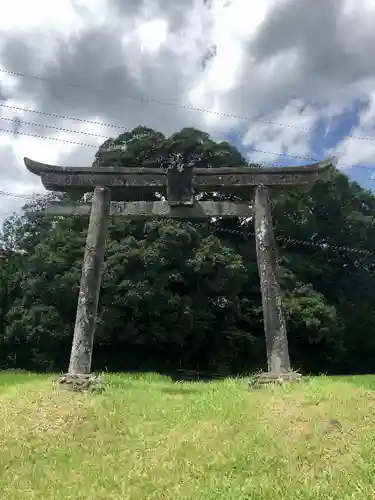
148, 438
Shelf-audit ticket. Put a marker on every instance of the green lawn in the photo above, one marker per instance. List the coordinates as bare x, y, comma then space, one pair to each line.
148, 438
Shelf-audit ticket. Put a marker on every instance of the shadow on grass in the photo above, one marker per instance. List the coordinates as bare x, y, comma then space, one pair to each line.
172, 383
362, 381
177, 391
9, 378
124, 384
187, 376
130, 377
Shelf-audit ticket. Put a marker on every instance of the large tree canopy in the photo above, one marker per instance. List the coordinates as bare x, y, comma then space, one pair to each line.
183, 294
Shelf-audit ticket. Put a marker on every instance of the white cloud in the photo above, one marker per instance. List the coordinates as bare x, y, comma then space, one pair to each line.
292, 62
359, 146
152, 34
37, 15
233, 24
40, 16
285, 132
17, 179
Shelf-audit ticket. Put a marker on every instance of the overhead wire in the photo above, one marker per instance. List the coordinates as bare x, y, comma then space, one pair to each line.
19, 195
58, 139
105, 137
161, 102
63, 117
53, 127
139, 98
280, 238
154, 101
96, 146
245, 234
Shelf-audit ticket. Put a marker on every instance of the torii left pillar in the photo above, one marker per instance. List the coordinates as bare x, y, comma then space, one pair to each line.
92, 270
79, 375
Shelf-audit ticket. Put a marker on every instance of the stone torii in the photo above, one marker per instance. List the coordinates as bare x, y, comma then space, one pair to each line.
120, 191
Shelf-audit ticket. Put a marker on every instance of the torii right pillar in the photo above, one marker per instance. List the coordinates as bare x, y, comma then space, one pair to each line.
278, 361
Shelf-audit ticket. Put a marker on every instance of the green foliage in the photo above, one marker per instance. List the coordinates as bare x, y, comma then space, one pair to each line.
180, 294
144, 147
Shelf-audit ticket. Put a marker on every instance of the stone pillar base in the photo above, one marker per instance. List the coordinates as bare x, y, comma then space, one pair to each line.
266, 378
80, 382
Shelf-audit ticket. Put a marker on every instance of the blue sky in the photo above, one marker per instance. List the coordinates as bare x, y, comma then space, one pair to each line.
326, 135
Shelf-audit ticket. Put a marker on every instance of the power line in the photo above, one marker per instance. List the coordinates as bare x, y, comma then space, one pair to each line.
96, 146
160, 102
140, 98
288, 240
279, 238
246, 234
63, 117
104, 124
59, 129
19, 195
51, 138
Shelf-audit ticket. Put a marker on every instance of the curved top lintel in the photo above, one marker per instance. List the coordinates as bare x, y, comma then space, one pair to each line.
40, 169
37, 168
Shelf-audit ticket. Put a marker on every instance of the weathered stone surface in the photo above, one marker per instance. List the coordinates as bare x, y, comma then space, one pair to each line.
266, 378
87, 382
128, 183
83, 338
180, 191
39, 168
200, 209
267, 259
58, 181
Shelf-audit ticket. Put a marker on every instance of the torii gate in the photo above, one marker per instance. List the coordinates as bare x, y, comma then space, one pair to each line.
178, 186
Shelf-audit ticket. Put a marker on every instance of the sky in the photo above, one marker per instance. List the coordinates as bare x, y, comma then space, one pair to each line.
286, 81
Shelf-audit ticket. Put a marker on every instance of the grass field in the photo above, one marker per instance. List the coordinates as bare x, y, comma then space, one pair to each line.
148, 438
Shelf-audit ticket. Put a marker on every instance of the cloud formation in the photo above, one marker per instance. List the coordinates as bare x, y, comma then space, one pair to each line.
273, 74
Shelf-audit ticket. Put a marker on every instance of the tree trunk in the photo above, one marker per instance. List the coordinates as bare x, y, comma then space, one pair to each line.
274, 322
92, 268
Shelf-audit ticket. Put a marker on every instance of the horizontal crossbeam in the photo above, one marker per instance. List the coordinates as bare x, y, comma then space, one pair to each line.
134, 183
200, 209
